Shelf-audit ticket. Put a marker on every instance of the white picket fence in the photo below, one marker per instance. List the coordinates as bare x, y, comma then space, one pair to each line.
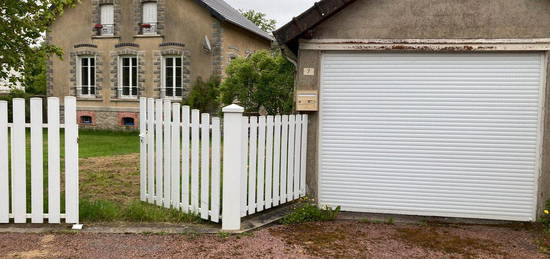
180, 158
264, 161
274, 159
16, 133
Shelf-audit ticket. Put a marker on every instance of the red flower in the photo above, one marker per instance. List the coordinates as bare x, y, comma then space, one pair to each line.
146, 25
98, 26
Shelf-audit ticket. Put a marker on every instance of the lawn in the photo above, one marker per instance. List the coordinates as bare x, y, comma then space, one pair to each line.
109, 180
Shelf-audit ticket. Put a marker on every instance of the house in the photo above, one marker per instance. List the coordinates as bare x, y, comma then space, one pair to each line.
116, 51
432, 108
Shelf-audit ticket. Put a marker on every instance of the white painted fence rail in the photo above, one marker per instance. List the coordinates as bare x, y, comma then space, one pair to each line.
264, 161
16, 149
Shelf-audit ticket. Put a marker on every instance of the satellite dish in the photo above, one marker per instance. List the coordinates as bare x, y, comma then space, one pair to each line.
207, 44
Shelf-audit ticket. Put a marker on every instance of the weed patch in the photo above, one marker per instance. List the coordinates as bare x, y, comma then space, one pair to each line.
310, 213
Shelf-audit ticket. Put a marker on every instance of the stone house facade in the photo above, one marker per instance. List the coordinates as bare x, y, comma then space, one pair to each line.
116, 51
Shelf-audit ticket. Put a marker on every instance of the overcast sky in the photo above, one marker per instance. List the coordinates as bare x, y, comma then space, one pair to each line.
280, 10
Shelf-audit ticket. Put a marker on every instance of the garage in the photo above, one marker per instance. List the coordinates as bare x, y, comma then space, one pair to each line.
440, 134
425, 108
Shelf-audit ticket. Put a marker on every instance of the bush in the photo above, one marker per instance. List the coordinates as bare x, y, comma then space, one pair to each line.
310, 213
205, 96
263, 80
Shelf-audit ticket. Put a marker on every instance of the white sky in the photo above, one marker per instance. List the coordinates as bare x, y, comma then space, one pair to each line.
281, 10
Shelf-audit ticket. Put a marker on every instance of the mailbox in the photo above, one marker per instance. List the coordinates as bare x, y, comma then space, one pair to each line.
307, 101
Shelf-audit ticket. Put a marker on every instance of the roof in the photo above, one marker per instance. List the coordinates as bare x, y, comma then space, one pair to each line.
289, 33
223, 11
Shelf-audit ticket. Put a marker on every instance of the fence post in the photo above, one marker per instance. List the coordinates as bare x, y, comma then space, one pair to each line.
232, 166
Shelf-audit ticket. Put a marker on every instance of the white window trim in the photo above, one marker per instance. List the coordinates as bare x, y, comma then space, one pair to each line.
79, 85
120, 78
163, 79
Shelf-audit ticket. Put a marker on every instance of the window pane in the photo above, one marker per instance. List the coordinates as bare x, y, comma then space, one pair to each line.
84, 90
134, 91
92, 90
126, 90
169, 92
92, 61
125, 62
178, 62
169, 62
134, 76
84, 76
92, 76
126, 76
178, 81
179, 91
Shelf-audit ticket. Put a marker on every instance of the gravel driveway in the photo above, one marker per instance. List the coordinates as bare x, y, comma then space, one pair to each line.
342, 239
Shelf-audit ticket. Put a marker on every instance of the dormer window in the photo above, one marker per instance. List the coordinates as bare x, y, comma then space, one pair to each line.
149, 23
107, 22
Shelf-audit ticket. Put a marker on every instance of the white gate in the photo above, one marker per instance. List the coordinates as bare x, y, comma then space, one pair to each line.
264, 160
180, 168
16, 149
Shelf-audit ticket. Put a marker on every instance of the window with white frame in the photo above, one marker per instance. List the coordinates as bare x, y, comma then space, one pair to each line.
149, 22
128, 73
107, 26
86, 76
173, 76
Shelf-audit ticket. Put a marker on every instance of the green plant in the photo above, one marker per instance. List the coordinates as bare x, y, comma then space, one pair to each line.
390, 221
545, 219
223, 235
310, 213
99, 211
263, 80
205, 96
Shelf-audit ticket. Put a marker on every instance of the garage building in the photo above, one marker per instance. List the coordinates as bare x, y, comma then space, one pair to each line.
431, 108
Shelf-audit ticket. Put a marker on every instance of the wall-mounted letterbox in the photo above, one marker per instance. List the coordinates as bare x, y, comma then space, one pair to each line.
307, 101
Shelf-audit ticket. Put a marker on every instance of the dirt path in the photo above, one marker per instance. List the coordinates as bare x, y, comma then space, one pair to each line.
344, 239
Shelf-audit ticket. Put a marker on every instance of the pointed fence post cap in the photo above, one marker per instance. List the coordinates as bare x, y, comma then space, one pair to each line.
233, 108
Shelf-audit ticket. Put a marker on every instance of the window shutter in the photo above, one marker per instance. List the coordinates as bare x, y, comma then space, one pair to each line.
149, 13
107, 14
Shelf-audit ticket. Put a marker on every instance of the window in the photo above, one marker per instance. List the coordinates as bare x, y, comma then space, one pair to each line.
86, 120
87, 76
127, 121
107, 19
129, 76
173, 83
149, 25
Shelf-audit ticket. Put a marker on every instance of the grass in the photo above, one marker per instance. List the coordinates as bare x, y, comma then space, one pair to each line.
109, 179
136, 211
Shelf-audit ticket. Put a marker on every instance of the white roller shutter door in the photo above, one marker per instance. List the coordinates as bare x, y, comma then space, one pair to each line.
453, 135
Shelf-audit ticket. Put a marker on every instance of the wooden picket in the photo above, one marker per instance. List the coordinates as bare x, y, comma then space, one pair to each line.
17, 133
276, 163
183, 150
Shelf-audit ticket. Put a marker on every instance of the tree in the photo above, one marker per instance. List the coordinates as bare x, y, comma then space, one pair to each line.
205, 96
22, 26
260, 19
34, 77
265, 79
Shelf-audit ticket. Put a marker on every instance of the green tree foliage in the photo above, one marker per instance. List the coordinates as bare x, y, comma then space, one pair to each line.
260, 19
205, 96
34, 73
264, 79
22, 26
